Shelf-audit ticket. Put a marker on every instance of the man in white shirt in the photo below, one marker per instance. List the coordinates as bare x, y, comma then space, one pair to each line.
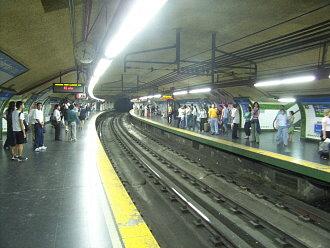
32, 120
39, 128
235, 116
19, 131
57, 121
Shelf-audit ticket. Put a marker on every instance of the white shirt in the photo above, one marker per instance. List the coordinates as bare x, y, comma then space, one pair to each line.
202, 113
326, 124
235, 115
39, 115
282, 120
194, 112
31, 117
57, 115
188, 111
16, 116
181, 112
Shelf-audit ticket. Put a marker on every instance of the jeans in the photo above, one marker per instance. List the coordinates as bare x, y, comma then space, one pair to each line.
282, 135
72, 131
214, 125
39, 141
255, 131
189, 121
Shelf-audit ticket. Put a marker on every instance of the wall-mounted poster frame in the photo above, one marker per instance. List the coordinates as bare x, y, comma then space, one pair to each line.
10, 68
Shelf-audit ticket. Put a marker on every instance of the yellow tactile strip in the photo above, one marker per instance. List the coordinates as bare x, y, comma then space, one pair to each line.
132, 228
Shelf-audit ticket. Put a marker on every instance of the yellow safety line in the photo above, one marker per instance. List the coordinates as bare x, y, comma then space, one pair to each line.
302, 162
133, 230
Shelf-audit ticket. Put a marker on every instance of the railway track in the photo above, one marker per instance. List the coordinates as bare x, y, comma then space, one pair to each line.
232, 216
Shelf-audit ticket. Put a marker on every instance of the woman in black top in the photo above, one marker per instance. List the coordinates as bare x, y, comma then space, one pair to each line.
10, 141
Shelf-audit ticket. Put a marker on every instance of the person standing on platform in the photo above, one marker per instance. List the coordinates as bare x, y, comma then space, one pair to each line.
39, 128
291, 125
255, 124
325, 134
82, 116
188, 117
281, 123
72, 123
32, 120
10, 140
203, 119
194, 117
247, 124
235, 117
213, 119
224, 117
181, 113
19, 131
57, 121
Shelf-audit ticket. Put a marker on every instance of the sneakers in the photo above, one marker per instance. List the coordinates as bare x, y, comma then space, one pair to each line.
21, 158
41, 148
14, 158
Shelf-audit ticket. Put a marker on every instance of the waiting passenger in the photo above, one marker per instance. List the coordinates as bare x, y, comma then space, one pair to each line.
57, 122
247, 124
194, 116
82, 116
235, 116
169, 114
10, 141
255, 124
224, 117
19, 132
281, 123
213, 119
39, 128
291, 125
203, 119
72, 123
32, 120
181, 116
188, 117
325, 134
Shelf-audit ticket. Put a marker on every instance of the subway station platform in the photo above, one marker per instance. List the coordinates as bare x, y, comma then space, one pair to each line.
67, 196
300, 157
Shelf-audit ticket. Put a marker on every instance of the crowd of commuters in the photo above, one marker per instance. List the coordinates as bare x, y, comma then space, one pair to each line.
65, 114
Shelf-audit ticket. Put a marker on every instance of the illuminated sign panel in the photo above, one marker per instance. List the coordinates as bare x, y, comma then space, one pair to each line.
68, 88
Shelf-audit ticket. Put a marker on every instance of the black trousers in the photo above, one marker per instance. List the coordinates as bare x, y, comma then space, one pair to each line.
57, 127
247, 128
234, 133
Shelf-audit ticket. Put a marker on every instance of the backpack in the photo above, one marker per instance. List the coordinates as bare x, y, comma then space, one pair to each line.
26, 126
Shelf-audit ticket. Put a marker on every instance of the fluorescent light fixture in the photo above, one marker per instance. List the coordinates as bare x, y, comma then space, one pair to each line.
179, 93
292, 80
287, 100
203, 90
100, 68
142, 98
138, 16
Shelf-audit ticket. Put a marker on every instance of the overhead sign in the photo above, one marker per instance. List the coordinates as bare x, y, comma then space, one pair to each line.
68, 88
9, 68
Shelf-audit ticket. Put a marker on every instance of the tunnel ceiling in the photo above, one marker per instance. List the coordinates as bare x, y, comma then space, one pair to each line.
38, 35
